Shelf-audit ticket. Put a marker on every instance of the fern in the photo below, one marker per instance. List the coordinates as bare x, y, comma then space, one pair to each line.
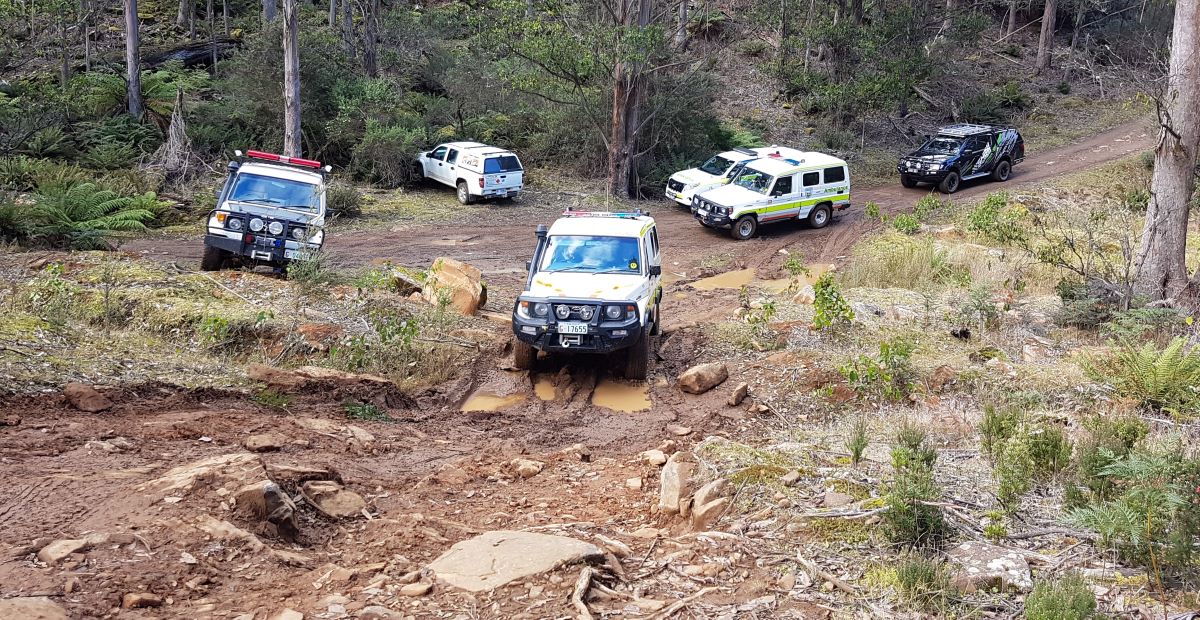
84, 217
1160, 379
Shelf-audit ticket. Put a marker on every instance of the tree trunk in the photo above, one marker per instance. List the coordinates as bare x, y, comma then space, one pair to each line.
1012, 17
1046, 41
85, 22
348, 28
212, 31
225, 16
1080, 10
291, 79
1161, 267
268, 10
133, 65
65, 67
185, 9
948, 18
681, 34
626, 108
371, 38
333, 13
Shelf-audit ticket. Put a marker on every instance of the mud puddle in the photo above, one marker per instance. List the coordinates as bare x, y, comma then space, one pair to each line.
620, 396
544, 388
484, 401
733, 280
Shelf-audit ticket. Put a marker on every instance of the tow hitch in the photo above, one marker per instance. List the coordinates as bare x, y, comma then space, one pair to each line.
567, 340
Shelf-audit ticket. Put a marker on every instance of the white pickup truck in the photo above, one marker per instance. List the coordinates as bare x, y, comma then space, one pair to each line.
476, 170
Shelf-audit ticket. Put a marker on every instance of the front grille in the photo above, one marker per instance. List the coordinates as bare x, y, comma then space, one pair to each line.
577, 311
674, 185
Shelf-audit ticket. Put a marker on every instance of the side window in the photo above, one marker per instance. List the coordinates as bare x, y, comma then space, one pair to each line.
654, 242
452, 156
733, 172
975, 144
783, 186
812, 178
835, 175
438, 153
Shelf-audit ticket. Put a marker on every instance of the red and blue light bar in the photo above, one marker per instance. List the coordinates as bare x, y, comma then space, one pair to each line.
284, 159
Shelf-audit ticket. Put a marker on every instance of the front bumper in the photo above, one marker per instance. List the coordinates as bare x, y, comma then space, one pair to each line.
712, 220
260, 248
922, 174
682, 198
603, 336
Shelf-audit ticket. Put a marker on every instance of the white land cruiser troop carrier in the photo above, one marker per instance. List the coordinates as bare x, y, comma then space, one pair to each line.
808, 187
717, 171
476, 170
594, 286
270, 211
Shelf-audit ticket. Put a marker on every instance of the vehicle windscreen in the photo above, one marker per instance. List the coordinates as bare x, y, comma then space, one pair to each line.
503, 163
754, 180
275, 192
716, 166
590, 254
945, 146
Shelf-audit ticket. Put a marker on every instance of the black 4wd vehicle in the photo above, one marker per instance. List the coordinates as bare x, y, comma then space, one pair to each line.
960, 153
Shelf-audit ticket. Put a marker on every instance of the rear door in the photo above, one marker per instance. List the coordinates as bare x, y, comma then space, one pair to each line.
502, 173
973, 158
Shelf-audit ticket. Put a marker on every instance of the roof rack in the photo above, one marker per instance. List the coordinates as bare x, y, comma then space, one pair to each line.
628, 215
311, 164
963, 130
744, 151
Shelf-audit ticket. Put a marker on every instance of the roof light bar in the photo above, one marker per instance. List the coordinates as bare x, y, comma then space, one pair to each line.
634, 214
284, 159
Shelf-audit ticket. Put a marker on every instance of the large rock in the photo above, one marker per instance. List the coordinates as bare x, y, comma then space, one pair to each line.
31, 608
709, 503
264, 442
985, 567
675, 483
493, 559
266, 501
309, 377
333, 499
238, 467
702, 378
458, 284
59, 549
84, 398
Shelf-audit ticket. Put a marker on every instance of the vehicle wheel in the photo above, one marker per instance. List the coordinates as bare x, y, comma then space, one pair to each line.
819, 217
464, 196
1002, 171
949, 185
637, 358
908, 181
523, 355
213, 258
657, 329
744, 228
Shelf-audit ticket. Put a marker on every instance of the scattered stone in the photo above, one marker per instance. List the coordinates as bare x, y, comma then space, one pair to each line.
739, 394
332, 499
654, 457
790, 478
85, 398
11, 420
493, 559
618, 548
31, 608
140, 600
238, 468
678, 431
805, 296
833, 499
224, 530
264, 442
527, 468
706, 515
985, 567
1035, 350
668, 447
942, 377
634, 484
288, 614
702, 378
787, 581
456, 282
59, 549
1000, 366
901, 313
416, 589
378, 612
675, 483
646, 533
265, 500
187, 558
318, 336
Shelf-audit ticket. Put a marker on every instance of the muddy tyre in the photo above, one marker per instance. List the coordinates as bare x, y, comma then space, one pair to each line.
820, 216
637, 358
464, 193
744, 228
949, 185
657, 329
1002, 171
213, 258
908, 181
524, 355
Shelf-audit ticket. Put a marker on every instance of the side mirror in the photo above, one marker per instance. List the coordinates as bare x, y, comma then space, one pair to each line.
925, 138
656, 270
528, 265
217, 194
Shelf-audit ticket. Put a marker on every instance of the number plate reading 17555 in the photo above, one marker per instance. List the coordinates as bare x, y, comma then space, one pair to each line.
572, 328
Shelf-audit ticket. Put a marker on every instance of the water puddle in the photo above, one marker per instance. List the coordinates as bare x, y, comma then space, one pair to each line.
491, 402
544, 388
747, 277
728, 280
797, 282
620, 396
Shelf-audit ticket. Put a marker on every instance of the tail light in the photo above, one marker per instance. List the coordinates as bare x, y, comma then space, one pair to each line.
480, 182
284, 159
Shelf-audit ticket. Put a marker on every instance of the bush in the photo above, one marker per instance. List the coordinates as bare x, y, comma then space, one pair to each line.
343, 200
888, 376
365, 412
998, 425
834, 138
14, 221
830, 308
995, 219
310, 270
84, 217
894, 260
858, 440
923, 583
906, 223
1067, 598
1108, 440
1157, 378
927, 205
754, 48
385, 155
909, 521
996, 106
1082, 306
910, 447
872, 210
1144, 323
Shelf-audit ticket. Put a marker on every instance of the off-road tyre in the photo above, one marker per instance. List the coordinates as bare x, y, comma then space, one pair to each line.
656, 330
1002, 171
464, 193
213, 258
820, 216
637, 358
524, 355
744, 228
908, 181
950, 184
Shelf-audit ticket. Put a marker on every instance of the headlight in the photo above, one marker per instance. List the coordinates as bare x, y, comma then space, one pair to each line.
256, 225
614, 312
562, 311
586, 313
275, 228
298, 234
541, 309
688, 186
234, 224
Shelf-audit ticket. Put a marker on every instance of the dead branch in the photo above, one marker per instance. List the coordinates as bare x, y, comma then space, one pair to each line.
680, 604
581, 588
1050, 531
816, 572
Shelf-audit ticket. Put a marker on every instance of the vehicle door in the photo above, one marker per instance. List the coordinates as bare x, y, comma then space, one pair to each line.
502, 173
435, 162
834, 184
810, 190
783, 200
450, 170
971, 160
654, 264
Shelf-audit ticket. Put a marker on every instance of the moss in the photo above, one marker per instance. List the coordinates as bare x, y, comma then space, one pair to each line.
19, 325
847, 531
880, 578
766, 475
857, 490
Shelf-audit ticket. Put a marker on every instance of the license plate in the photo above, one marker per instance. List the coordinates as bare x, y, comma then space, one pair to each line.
572, 328
290, 254
702, 213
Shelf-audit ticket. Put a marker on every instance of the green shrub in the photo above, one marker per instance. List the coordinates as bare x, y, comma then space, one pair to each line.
110, 156
835, 138
754, 48
1014, 472
927, 205
979, 310
84, 217
52, 297
858, 440
271, 398
1081, 306
14, 221
894, 260
385, 154
910, 447
1144, 323
47, 143
906, 223
1157, 378
996, 106
994, 219
872, 210
1066, 598
997, 427
310, 270
365, 412
343, 200
887, 376
923, 583
830, 309
909, 521
1108, 439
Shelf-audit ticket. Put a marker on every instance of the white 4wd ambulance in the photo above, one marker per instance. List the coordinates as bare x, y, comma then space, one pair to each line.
594, 286
476, 170
810, 187
717, 171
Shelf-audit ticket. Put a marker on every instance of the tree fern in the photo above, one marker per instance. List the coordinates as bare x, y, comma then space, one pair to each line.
1162, 379
85, 217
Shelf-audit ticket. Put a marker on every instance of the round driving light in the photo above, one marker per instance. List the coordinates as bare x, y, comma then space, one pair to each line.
562, 312
541, 309
586, 313
234, 223
298, 234
256, 225
275, 228
613, 312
